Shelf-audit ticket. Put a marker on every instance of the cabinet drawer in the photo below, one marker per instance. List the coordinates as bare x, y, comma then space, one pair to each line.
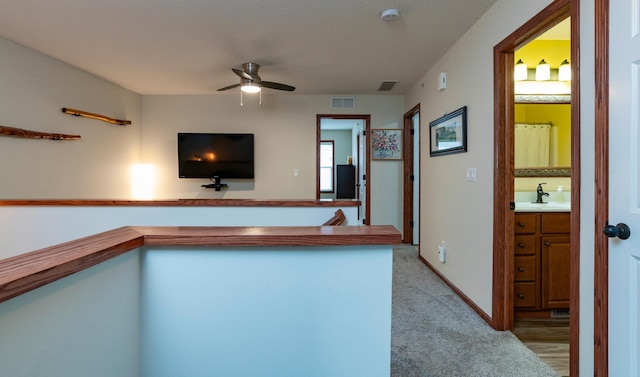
555, 223
524, 295
525, 245
525, 268
526, 224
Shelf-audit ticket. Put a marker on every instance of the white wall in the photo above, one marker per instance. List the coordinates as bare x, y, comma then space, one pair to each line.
87, 324
266, 311
452, 209
34, 90
285, 139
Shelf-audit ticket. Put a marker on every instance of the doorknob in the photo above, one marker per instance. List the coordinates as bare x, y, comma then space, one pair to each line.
621, 231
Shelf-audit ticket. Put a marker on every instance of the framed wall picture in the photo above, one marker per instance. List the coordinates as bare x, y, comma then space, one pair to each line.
448, 134
386, 144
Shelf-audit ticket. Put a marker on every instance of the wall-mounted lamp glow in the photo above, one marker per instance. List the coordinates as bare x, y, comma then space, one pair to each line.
142, 181
543, 71
564, 72
520, 71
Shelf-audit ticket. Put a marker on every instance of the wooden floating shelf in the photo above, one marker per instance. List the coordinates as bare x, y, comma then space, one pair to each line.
85, 114
18, 132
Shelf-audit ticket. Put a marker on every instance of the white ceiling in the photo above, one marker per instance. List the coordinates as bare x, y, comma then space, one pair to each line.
189, 46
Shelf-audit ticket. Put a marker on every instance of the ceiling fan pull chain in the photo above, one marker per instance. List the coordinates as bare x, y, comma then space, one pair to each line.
241, 104
261, 98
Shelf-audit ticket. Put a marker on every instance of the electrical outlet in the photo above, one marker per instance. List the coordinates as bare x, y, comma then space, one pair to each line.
442, 252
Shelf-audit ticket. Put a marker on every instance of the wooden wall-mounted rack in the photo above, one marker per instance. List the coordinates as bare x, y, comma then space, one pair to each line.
80, 113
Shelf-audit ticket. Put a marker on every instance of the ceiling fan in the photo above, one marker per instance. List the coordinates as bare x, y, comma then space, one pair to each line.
250, 82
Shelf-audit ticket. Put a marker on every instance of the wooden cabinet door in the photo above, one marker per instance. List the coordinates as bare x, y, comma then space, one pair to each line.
555, 272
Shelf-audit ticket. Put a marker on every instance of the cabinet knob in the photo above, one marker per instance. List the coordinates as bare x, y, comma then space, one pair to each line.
520, 296
521, 269
546, 243
521, 245
521, 225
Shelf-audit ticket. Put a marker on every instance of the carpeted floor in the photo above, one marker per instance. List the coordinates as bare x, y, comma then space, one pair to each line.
435, 334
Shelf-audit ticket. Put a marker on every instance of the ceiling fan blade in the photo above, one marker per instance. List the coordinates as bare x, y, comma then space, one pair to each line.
278, 86
229, 87
242, 74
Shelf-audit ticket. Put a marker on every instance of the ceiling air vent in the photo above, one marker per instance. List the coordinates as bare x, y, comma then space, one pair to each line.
343, 102
387, 86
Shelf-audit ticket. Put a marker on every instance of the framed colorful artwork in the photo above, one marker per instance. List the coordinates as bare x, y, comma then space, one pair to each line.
386, 144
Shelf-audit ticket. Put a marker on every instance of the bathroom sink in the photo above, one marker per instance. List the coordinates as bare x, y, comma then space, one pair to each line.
543, 207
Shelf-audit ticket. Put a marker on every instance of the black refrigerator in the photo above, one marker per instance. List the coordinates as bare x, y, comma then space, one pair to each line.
346, 182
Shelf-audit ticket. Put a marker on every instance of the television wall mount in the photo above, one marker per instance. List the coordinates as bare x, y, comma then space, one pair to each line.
215, 184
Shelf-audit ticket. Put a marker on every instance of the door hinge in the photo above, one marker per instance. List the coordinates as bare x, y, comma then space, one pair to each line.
412, 177
512, 206
411, 223
364, 177
364, 133
364, 221
412, 132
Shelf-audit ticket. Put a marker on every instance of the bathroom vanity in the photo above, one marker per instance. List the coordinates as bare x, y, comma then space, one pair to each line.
541, 260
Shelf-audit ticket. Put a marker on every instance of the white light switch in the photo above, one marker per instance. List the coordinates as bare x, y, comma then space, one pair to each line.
471, 174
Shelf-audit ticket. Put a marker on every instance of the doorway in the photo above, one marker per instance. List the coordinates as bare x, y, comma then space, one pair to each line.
504, 175
354, 129
411, 182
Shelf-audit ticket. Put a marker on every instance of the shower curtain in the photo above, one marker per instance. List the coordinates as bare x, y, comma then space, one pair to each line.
532, 145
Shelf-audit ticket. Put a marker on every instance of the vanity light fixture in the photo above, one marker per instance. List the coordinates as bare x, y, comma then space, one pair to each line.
520, 71
564, 72
543, 71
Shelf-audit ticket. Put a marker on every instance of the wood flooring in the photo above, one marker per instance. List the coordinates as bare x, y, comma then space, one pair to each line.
548, 338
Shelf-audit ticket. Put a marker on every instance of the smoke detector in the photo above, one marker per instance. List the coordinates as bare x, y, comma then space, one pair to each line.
389, 15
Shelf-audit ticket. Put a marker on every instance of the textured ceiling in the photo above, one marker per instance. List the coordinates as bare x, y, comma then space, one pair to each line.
189, 46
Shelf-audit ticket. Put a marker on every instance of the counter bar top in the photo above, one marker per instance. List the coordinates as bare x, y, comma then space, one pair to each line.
25, 272
185, 202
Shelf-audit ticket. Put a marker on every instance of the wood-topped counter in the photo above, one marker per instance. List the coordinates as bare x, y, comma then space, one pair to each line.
25, 272
185, 202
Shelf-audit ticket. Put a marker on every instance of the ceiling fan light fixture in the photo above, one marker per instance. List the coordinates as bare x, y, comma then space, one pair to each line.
248, 86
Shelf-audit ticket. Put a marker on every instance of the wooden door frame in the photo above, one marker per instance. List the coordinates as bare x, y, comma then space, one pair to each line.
601, 191
367, 129
503, 224
408, 155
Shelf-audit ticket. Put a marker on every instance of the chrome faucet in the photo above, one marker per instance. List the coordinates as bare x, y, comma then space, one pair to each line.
540, 193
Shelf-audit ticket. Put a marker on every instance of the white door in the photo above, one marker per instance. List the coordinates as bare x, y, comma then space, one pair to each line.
624, 193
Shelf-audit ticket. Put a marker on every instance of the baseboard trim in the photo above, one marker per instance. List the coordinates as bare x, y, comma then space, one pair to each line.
460, 294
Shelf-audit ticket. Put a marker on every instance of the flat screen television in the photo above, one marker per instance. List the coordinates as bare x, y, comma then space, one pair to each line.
215, 155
